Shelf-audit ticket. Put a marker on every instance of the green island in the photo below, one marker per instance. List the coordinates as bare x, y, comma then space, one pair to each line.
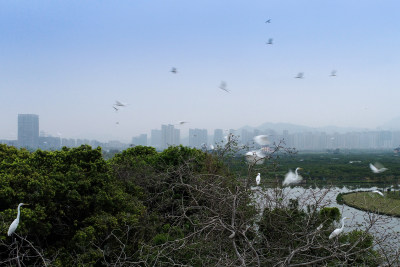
373, 202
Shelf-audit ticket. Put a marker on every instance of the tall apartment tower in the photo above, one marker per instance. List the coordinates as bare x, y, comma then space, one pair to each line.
218, 136
197, 137
28, 130
169, 136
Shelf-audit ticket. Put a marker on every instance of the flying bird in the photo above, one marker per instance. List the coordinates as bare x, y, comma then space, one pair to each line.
182, 122
222, 86
174, 70
300, 75
268, 21
270, 40
115, 108
262, 140
378, 192
377, 168
338, 231
333, 73
15, 223
119, 104
292, 178
256, 157
258, 179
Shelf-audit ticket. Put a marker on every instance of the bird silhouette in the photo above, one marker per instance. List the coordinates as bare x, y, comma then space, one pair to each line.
270, 40
174, 70
300, 75
268, 21
222, 86
333, 73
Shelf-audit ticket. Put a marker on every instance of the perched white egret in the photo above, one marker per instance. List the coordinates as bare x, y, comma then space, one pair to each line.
15, 223
292, 178
378, 192
256, 157
258, 179
377, 168
262, 140
338, 231
320, 227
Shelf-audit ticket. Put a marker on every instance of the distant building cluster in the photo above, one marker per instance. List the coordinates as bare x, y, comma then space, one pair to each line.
30, 137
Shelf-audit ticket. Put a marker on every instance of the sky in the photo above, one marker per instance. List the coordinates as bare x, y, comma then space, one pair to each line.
69, 61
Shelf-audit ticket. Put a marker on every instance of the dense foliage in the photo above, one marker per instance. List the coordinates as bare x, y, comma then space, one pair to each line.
141, 207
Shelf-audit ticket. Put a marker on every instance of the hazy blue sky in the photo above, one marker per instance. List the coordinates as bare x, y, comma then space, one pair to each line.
69, 61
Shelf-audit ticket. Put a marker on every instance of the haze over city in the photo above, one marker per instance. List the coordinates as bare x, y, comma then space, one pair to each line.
69, 62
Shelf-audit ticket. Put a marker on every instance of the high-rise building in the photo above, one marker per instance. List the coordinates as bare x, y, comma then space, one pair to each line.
28, 130
169, 136
140, 140
197, 137
218, 136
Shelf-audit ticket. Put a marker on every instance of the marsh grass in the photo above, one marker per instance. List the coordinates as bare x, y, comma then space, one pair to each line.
373, 202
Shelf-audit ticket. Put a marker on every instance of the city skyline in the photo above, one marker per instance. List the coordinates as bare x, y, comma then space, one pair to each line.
206, 62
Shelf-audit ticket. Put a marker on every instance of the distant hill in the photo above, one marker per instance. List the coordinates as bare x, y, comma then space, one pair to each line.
294, 128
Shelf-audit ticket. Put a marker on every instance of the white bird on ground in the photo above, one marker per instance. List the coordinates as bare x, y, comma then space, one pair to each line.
338, 231
292, 178
378, 192
262, 140
300, 75
256, 157
377, 168
15, 223
258, 179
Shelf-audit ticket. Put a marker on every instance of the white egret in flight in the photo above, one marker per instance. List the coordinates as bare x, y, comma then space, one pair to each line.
258, 179
120, 104
338, 231
377, 168
15, 223
262, 140
222, 86
256, 157
292, 178
378, 192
